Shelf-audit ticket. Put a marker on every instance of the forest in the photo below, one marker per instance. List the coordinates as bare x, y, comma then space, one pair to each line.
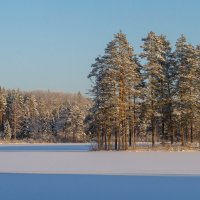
151, 97
40, 116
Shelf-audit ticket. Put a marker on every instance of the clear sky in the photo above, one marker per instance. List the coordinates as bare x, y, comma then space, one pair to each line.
51, 44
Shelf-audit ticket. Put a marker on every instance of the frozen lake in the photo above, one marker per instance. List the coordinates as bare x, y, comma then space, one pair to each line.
71, 171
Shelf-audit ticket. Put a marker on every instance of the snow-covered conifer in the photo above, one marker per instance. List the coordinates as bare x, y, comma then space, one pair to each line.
7, 131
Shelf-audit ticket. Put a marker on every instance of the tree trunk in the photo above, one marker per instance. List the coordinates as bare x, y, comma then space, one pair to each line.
119, 141
74, 137
130, 122
153, 132
109, 139
126, 139
172, 135
199, 138
186, 133
102, 138
109, 144
171, 127
105, 138
122, 136
163, 132
99, 142
130, 136
191, 131
134, 138
119, 137
182, 136
134, 125
116, 136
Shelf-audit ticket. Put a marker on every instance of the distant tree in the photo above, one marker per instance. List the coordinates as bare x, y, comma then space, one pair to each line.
7, 131
2, 107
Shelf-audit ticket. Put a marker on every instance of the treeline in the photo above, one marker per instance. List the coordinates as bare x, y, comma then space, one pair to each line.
42, 116
150, 97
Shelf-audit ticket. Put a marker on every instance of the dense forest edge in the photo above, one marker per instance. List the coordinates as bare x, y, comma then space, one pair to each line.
141, 101
42, 117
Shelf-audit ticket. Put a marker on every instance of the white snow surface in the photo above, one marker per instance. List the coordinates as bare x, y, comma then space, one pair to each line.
77, 159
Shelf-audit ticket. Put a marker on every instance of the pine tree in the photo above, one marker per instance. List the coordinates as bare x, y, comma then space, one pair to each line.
104, 92
167, 90
193, 78
197, 112
154, 53
170, 96
128, 79
115, 90
188, 88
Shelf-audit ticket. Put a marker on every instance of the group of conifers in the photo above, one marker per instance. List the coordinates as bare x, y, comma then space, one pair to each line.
150, 97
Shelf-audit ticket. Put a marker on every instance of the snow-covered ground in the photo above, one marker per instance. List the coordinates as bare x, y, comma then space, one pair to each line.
72, 172
77, 159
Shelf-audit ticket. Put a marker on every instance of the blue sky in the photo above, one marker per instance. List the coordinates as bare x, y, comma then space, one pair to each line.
51, 44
